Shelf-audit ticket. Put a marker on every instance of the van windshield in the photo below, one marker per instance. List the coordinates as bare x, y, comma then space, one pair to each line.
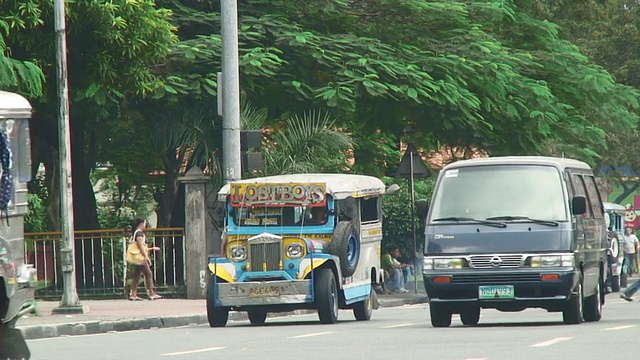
494, 191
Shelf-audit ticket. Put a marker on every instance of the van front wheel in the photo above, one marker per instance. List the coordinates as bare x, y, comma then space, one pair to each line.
572, 313
440, 315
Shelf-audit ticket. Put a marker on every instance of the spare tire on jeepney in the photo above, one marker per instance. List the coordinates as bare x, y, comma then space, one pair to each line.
345, 244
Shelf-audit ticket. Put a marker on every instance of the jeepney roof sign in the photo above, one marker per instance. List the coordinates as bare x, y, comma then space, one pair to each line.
278, 194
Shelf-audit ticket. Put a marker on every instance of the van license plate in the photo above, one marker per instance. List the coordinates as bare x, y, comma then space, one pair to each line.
260, 291
496, 292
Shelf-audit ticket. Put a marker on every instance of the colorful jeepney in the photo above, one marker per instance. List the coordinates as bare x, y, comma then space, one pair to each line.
303, 241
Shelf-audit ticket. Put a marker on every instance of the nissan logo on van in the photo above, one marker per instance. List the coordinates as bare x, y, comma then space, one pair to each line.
495, 261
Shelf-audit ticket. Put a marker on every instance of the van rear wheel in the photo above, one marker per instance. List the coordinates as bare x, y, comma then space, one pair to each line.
593, 304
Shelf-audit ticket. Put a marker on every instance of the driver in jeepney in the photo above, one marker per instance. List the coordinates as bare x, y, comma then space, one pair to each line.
318, 216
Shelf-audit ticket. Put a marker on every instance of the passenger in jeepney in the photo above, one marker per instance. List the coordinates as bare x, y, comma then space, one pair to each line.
318, 215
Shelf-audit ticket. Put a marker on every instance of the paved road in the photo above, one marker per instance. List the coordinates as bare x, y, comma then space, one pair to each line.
402, 332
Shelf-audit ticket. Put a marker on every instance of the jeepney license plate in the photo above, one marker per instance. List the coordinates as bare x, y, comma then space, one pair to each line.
496, 292
260, 291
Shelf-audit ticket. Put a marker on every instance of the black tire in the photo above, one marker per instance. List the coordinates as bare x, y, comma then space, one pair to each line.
216, 315
470, 316
440, 316
345, 244
615, 283
326, 293
257, 317
572, 313
362, 310
593, 304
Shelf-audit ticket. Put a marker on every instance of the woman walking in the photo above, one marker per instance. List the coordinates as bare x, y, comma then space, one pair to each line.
138, 257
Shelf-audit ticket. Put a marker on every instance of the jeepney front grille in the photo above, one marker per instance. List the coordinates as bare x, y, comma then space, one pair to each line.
265, 256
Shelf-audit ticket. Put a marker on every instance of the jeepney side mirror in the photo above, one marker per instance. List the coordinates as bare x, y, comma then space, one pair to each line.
579, 205
422, 208
392, 189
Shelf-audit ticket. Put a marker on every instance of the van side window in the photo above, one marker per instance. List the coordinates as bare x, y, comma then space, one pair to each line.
594, 197
369, 209
579, 188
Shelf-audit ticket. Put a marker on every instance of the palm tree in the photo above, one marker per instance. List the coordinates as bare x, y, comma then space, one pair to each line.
310, 143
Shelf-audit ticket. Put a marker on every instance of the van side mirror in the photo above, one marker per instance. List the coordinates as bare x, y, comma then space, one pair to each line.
579, 205
422, 208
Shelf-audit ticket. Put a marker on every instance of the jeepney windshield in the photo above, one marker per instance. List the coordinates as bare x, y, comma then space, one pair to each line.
484, 192
278, 204
279, 216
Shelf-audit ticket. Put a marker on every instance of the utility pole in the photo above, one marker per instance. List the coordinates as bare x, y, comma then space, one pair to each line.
231, 162
70, 303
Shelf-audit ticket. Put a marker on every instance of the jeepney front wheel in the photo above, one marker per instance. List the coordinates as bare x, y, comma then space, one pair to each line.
216, 315
326, 296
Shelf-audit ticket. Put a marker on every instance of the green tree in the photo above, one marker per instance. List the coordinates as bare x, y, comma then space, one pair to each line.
19, 74
112, 47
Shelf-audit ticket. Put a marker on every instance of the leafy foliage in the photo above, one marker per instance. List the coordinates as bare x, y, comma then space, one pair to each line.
396, 209
19, 74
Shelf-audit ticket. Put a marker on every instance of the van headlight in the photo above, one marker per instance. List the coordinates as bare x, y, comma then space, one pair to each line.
238, 253
553, 261
443, 263
295, 250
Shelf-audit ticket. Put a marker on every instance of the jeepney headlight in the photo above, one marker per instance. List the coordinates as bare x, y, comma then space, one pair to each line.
295, 250
238, 253
553, 261
442, 263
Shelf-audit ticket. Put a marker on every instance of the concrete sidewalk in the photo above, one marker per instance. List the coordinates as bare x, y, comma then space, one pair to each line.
122, 315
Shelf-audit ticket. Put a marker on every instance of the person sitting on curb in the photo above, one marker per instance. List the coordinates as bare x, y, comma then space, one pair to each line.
398, 272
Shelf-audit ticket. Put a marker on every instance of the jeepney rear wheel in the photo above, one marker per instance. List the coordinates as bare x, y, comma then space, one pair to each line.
257, 317
216, 315
4, 300
615, 283
326, 296
362, 310
345, 244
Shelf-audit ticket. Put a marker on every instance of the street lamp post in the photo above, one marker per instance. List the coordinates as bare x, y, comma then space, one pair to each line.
70, 303
231, 162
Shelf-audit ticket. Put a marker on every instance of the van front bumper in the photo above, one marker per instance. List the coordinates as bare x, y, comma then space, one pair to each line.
530, 290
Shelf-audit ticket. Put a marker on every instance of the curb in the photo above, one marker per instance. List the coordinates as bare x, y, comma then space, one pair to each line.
33, 332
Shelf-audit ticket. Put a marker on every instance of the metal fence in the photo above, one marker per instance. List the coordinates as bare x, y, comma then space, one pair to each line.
100, 265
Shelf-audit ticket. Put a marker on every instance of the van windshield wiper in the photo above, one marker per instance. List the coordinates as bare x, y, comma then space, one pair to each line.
508, 217
485, 222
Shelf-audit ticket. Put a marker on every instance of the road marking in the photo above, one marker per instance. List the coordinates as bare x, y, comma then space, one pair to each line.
551, 342
395, 326
477, 359
192, 351
620, 327
310, 335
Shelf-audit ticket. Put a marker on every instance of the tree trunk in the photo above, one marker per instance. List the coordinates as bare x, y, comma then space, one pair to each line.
166, 199
84, 200
627, 190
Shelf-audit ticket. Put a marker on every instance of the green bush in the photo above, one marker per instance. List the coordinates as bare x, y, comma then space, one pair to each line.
396, 209
36, 219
